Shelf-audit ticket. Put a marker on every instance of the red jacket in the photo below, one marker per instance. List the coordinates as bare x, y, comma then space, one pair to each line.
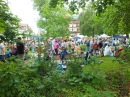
95, 46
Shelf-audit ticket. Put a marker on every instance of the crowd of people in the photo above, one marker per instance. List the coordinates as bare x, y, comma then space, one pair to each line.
95, 47
18, 49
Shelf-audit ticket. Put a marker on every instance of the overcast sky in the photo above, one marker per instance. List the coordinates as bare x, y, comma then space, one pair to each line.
24, 10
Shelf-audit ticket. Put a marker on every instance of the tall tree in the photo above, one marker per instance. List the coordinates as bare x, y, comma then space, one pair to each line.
114, 13
89, 23
74, 5
115, 18
3, 14
8, 22
54, 21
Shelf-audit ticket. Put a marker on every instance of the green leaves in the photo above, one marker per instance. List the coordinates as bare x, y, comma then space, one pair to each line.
8, 22
73, 6
8, 79
53, 21
83, 47
101, 5
1, 27
114, 16
53, 3
89, 23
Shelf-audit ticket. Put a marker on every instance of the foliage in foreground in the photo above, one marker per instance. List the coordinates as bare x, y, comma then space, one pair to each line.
42, 80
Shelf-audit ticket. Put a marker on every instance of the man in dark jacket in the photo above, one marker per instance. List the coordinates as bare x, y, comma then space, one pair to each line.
100, 45
20, 48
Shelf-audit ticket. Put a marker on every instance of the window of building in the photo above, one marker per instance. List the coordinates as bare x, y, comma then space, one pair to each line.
74, 25
70, 29
70, 25
74, 29
78, 29
77, 24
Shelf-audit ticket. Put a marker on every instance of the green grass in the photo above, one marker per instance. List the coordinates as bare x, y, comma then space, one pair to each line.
107, 64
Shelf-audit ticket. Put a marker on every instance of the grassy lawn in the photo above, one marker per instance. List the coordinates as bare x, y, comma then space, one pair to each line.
107, 64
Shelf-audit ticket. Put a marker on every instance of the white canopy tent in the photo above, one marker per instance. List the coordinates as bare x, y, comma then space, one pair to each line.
81, 36
104, 36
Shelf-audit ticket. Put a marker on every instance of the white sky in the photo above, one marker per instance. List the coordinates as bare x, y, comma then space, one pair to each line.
24, 10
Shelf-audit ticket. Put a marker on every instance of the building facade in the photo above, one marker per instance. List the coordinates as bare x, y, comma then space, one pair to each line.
24, 27
74, 26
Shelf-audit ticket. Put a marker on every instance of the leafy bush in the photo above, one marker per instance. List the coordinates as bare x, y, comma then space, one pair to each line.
95, 79
45, 67
11, 76
36, 81
42, 80
118, 80
92, 92
83, 47
124, 56
75, 68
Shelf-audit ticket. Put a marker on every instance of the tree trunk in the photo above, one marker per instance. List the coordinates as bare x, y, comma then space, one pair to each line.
127, 35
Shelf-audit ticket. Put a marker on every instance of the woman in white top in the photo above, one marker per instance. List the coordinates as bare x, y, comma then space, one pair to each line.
108, 51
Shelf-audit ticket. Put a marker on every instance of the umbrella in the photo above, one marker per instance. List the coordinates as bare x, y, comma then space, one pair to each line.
77, 37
